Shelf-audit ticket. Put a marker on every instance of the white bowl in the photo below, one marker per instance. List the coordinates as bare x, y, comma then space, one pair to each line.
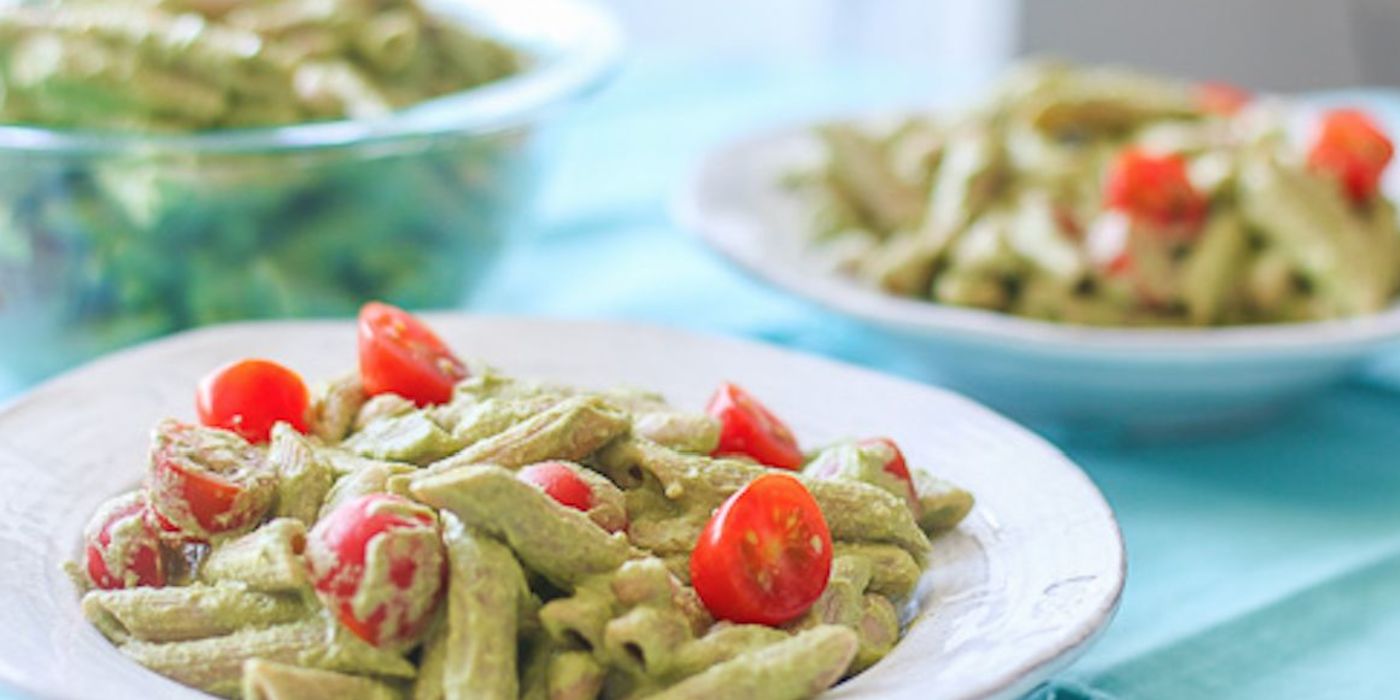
1011, 597
1139, 379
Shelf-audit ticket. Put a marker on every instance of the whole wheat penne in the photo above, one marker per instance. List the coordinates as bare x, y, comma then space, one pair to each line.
266, 559
795, 668
177, 613
537, 526
485, 584
570, 430
304, 477
270, 680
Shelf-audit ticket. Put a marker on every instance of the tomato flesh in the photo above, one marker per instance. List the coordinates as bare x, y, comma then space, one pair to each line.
399, 354
249, 396
122, 548
765, 555
206, 481
379, 563
1155, 190
1352, 148
749, 429
560, 482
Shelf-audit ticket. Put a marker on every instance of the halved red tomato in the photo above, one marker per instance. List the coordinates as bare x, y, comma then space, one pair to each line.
249, 396
1352, 148
379, 563
749, 429
1154, 190
399, 354
206, 481
765, 555
122, 548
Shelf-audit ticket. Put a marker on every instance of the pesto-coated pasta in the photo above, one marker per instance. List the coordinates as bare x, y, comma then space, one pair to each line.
269, 680
178, 613
518, 540
1094, 195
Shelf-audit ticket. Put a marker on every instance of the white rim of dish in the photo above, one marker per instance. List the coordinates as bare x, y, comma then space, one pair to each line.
733, 232
993, 430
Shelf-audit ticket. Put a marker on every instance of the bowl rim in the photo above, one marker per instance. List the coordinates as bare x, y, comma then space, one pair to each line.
578, 44
733, 230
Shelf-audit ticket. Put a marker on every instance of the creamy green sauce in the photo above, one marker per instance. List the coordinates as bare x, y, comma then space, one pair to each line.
184, 65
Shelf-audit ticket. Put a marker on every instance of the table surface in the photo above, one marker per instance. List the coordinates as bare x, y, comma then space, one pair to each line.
1262, 565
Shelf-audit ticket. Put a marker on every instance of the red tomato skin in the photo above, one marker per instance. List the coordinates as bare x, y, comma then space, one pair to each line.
749, 429
249, 396
742, 567
560, 482
142, 556
1351, 147
191, 504
1222, 98
336, 552
399, 354
1156, 191
897, 466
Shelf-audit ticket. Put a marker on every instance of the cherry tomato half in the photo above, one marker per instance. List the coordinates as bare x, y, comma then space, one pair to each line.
249, 396
1353, 149
399, 354
1155, 190
895, 466
765, 555
379, 563
560, 482
122, 548
206, 481
1221, 98
749, 429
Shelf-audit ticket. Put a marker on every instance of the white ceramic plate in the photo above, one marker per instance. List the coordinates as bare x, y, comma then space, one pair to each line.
1013, 596
1151, 379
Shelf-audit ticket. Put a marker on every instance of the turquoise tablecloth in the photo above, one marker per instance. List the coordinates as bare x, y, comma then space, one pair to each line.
1263, 566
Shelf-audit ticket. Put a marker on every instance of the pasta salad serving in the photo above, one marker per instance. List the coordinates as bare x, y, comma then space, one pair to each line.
1099, 196
430, 528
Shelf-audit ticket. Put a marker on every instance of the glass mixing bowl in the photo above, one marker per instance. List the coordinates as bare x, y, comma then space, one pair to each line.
109, 238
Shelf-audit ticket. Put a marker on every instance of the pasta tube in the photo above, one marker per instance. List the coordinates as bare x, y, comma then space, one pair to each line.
335, 406
485, 586
177, 613
303, 476
795, 668
266, 559
269, 680
411, 437
570, 430
942, 505
893, 573
574, 675
560, 543
215, 665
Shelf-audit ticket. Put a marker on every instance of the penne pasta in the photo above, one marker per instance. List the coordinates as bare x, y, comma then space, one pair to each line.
178, 613
269, 680
535, 527
266, 559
